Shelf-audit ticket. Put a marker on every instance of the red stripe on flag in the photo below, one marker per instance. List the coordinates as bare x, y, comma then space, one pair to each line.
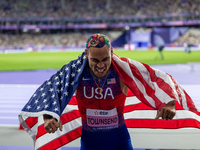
63, 139
41, 131
31, 121
72, 101
162, 124
130, 93
67, 117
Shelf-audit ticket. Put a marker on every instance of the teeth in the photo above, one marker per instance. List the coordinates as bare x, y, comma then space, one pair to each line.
100, 70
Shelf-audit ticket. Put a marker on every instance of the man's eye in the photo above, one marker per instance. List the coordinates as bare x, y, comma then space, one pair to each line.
105, 60
96, 61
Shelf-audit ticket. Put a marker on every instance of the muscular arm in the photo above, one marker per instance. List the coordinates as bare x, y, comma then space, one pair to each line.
124, 88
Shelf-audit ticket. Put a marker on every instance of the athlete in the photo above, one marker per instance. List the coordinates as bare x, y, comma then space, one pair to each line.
101, 96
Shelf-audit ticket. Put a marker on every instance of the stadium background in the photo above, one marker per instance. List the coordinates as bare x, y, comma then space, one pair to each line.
132, 25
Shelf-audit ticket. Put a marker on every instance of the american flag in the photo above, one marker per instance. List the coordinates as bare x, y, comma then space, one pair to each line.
111, 81
150, 89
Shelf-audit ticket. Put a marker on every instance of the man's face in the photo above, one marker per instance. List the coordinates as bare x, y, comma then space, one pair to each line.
99, 60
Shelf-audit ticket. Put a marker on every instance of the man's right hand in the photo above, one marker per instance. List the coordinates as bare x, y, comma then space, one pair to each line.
51, 125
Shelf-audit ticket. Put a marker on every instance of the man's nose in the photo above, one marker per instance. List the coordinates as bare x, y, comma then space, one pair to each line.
100, 65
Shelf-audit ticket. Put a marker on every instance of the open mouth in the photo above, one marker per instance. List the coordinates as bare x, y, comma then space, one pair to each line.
100, 71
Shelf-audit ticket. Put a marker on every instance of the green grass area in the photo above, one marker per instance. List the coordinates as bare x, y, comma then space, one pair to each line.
34, 60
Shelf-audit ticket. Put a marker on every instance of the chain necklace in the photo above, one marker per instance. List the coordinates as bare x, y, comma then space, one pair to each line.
100, 88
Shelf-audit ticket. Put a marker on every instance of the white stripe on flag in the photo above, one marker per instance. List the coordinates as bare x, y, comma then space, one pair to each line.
184, 101
132, 100
151, 114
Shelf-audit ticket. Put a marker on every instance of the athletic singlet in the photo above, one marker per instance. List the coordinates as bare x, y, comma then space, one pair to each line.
100, 111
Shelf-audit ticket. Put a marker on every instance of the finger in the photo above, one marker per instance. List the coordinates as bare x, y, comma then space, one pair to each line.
54, 128
171, 115
56, 124
60, 125
48, 128
158, 115
164, 114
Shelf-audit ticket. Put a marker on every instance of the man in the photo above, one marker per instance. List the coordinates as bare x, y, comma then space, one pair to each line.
100, 91
95, 94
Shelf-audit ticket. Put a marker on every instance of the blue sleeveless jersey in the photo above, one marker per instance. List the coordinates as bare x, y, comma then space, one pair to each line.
100, 111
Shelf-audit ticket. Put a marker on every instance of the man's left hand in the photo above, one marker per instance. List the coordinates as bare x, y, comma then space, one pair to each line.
168, 111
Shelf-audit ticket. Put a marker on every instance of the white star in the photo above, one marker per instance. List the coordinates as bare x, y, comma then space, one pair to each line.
56, 77
73, 65
53, 96
54, 102
41, 89
66, 93
61, 81
58, 90
43, 94
61, 74
56, 109
61, 98
44, 100
36, 101
38, 107
34, 95
66, 76
78, 62
67, 68
79, 70
84, 57
72, 83
51, 90
46, 106
61, 89
73, 74
49, 83
28, 107
57, 83
67, 84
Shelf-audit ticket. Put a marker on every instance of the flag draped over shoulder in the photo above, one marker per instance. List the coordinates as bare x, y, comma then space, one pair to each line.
150, 89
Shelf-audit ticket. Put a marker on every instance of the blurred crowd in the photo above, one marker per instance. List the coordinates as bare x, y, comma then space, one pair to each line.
91, 8
192, 37
78, 39
64, 39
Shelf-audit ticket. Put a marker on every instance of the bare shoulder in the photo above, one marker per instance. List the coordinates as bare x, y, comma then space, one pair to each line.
124, 88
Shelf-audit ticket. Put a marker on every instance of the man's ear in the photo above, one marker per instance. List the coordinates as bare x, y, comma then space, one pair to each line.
86, 53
